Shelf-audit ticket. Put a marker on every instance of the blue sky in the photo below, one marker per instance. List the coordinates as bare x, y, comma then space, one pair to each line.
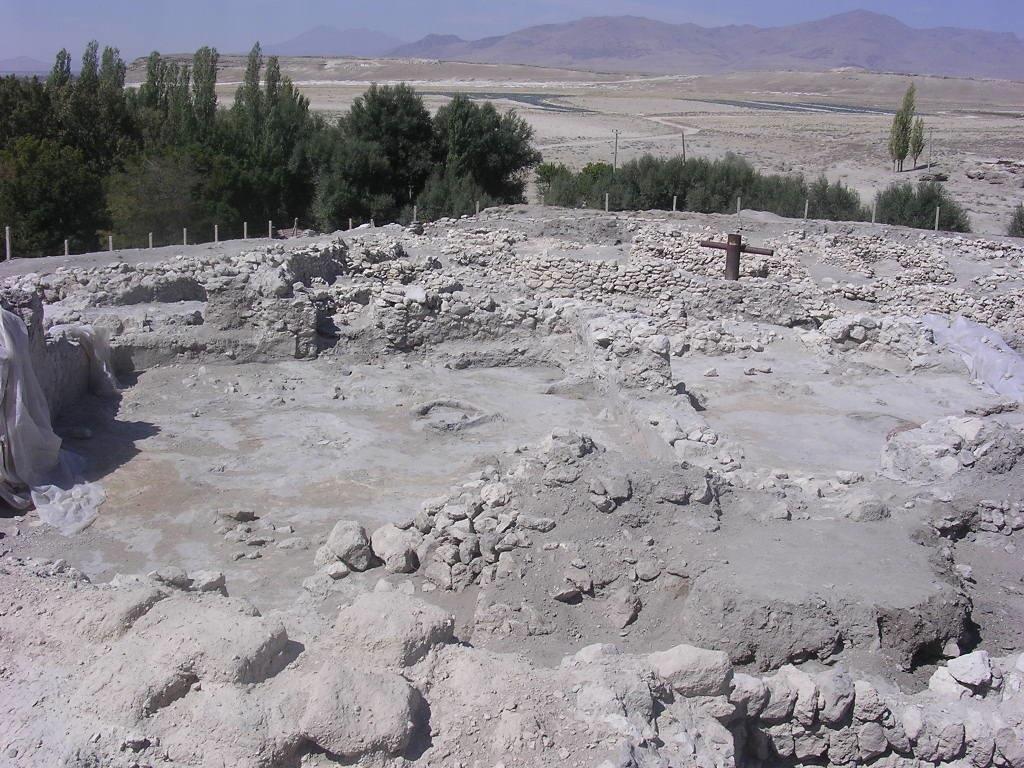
38, 28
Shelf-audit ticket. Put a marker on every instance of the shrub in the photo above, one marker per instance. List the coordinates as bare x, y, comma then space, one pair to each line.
911, 206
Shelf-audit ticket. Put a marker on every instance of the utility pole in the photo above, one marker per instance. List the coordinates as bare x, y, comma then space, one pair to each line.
615, 157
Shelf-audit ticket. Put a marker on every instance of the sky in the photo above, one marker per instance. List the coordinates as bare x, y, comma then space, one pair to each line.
39, 28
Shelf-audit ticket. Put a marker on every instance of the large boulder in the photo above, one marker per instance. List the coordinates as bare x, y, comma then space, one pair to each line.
397, 548
691, 671
350, 544
351, 714
397, 630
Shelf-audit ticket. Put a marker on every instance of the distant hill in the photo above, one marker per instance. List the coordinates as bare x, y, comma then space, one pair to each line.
330, 41
23, 65
859, 39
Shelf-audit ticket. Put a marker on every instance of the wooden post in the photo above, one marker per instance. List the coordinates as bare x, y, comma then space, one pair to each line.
110, 243
216, 233
151, 240
270, 229
245, 230
807, 208
7, 242
675, 200
732, 257
66, 249
184, 235
937, 218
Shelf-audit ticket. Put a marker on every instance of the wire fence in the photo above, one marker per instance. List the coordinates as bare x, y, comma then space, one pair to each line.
244, 231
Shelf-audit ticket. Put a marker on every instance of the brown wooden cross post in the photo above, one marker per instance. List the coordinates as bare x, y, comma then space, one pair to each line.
733, 248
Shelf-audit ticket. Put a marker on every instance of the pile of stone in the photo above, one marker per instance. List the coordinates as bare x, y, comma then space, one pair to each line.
467, 247
938, 450
716, 338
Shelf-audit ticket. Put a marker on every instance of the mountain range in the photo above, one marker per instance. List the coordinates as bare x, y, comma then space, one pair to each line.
23, 65
858, 39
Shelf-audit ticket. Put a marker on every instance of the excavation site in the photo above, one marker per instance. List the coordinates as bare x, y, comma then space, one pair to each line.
535, 487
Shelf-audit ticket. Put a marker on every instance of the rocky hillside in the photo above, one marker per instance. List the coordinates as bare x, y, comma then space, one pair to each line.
627, 43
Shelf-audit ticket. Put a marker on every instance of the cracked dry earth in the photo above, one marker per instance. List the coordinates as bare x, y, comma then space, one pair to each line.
534, 488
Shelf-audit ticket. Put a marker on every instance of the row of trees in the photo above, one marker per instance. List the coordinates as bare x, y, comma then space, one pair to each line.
83, 156
906, 137
713, 186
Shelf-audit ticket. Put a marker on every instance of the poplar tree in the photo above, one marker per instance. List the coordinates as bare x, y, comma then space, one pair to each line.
917, 140
902, 127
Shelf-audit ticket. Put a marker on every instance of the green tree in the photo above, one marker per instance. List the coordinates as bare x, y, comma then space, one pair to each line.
204, 90
902, 127
1017, 222
394, 118
248, 107
25, 109
48, 194
917, 140
154, 193
352, 183
495, 150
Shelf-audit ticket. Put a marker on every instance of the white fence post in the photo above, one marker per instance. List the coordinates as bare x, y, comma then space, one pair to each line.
110, 243
216, 233
270, 229
739, 205
606, 202
675, 201
184, 235
350, 222
937, 218
245, 230
151, 240
66, 248
807, 208
7, 241
874, 211
415, 214
295, 228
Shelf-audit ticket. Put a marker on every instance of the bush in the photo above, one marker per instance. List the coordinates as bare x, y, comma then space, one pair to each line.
451, 195
834, 202
910, 206
1017, 222
705, 186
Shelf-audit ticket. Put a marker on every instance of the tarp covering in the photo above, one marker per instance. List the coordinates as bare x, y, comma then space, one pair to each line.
34, 468
988, 357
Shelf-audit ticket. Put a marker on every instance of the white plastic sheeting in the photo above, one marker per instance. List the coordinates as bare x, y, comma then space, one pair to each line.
34, 468
988, 357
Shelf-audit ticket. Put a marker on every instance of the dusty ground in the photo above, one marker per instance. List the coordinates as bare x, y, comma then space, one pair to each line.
561, 428
836, 123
